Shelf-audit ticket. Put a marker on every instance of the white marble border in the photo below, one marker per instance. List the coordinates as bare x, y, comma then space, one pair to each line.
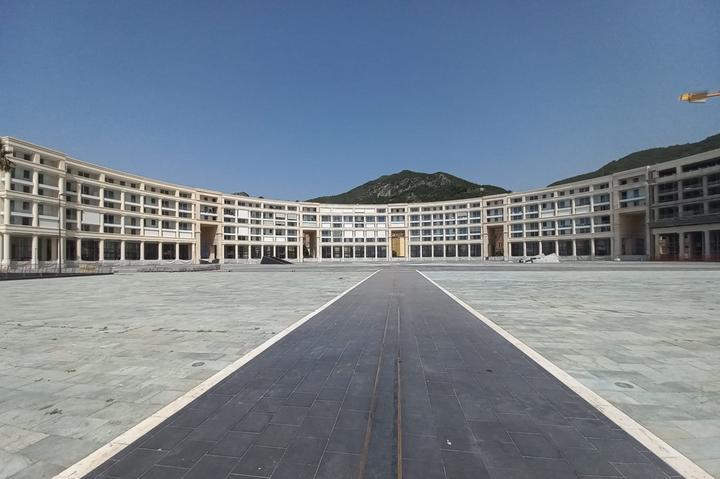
84, 466
660, 448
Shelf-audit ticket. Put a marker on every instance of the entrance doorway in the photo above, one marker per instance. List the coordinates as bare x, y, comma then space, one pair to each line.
397, 243
208, 242
496, 243
309, 244
631, 229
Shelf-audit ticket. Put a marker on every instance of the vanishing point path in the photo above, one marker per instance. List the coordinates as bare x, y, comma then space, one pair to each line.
394, 380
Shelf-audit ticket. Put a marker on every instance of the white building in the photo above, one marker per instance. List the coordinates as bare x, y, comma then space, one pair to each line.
54, 206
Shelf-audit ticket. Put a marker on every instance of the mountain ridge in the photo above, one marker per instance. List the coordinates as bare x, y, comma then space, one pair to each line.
647, 157
409, 186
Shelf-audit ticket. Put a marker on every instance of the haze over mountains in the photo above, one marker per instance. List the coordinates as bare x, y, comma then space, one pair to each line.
411, 186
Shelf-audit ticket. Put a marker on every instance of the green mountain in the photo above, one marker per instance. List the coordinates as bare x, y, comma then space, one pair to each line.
411, 186
648, 157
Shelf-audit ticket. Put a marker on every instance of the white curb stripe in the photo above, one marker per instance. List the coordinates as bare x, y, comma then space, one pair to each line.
85, 466
657, 446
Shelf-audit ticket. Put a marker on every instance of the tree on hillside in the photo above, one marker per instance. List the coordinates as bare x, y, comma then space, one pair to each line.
5, 163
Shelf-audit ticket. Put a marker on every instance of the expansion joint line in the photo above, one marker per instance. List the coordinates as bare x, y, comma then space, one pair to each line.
398, 401
373, 400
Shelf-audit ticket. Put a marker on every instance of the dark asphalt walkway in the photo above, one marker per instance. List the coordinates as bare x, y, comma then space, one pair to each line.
393, 380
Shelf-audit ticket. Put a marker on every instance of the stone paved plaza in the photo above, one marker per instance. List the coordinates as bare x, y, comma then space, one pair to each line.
84, 359
645, 338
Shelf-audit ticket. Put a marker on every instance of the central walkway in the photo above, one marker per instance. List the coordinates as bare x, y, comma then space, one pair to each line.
393, 380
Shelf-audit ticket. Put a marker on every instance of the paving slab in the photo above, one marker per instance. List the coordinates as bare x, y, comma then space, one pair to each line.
395, 377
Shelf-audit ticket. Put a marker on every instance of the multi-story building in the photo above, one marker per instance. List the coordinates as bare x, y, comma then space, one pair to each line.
56, 209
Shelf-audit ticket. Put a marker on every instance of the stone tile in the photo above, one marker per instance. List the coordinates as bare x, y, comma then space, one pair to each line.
259, 461
11, 464
319, 427
464, 464
346, 440
305, 450
535, 445
13, 439
289, 470
338, 466
211, 466
135, 463
164, 472
63, 451
186, 454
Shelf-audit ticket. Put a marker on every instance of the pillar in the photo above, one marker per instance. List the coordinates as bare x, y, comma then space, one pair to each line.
142, 251
6, 249
160, 248
681, 246
34, 251
7, 177
61, 250
35, 214
574, 253
706, 245
101, 248
122, 250
6, 204
177, 251
524, 248
78, 247
193, 257
592, 246
540, 250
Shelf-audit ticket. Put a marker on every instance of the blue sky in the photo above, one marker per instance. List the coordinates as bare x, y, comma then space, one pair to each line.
297, 99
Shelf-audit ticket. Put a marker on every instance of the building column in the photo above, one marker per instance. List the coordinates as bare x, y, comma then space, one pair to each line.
78, 247
35, 213
61, 250
6, 207
160, 253
706, 245
193, 258
592, 246
122, 250
681, 246
142, 251
6, 249
101, 250
524, 248
574, 243
36, 182
34, 251
7, 177
177, 251
540, 250
557, 247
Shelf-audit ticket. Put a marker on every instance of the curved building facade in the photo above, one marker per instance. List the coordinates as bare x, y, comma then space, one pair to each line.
60, 210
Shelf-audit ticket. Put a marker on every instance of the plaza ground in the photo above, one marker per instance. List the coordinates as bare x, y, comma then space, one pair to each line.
646, 337
84, 359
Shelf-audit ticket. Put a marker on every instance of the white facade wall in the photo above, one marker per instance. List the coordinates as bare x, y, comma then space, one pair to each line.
103, 215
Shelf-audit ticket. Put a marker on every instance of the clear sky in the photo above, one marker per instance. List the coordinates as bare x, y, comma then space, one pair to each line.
296, 99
